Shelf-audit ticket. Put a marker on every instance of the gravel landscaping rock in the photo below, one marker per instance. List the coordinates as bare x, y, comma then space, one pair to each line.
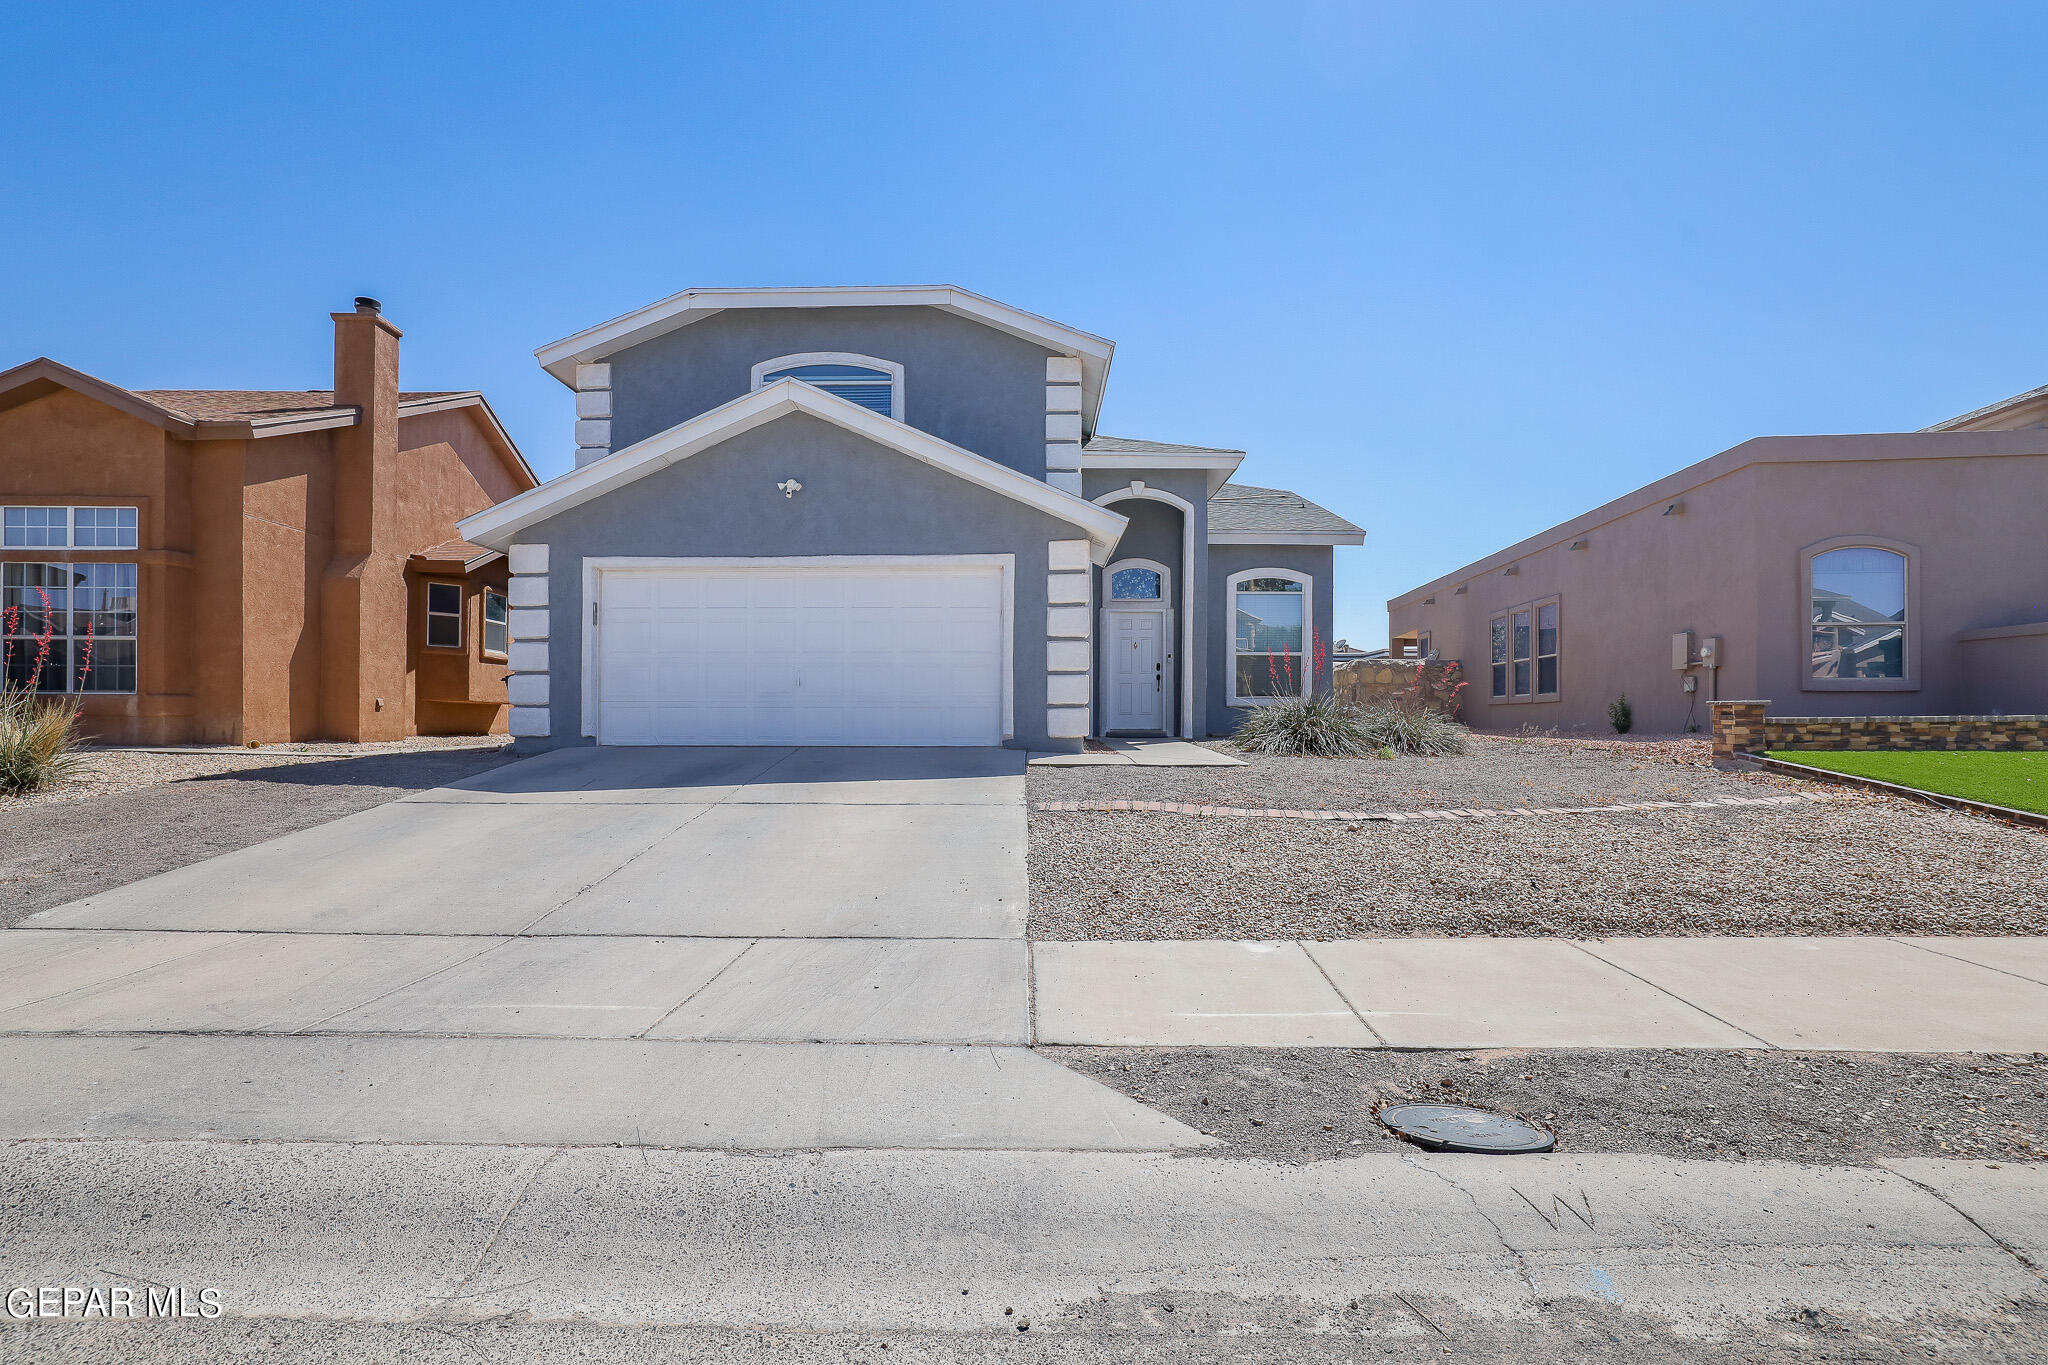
197, 806
1837, 867
1832, 1108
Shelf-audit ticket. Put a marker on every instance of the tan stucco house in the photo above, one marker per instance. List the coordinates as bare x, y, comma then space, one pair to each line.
249, 566
1889, 574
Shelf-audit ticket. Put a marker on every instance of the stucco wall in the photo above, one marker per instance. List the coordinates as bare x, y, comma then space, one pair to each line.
2005, 671
1730, 563
1225, 560
858, 498
981, 389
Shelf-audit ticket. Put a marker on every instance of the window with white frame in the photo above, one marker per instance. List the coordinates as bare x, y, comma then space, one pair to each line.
444, 615
1270, 612
873, 383
1859, 616
497, 637
67, 528
69, 627
1524, 650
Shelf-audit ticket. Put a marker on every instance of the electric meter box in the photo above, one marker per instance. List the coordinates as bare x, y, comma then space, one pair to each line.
1681, 649
1710, 652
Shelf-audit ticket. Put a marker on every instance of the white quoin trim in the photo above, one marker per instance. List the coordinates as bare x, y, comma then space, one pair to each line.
527, 628
1138, 489
1068, 689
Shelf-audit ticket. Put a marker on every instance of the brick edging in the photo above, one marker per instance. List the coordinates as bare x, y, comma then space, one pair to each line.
1942, 799
1400, 817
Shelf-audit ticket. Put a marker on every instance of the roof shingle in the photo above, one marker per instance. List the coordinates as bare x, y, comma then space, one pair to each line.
1125, 445
1244, 507
242, 405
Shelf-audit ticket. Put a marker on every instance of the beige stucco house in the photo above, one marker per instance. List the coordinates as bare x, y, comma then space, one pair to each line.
1896, 573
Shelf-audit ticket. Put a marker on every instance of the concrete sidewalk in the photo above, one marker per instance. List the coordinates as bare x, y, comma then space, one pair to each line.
1849, 994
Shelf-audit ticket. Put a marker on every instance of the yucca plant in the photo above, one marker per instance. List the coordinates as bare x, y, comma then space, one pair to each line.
38, 741
1413, 729
1317, 726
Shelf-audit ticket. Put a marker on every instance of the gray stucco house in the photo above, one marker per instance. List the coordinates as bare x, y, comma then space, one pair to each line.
884, 517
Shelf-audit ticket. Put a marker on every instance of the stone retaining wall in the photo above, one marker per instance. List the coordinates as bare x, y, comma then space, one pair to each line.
1743, 727
1439, 683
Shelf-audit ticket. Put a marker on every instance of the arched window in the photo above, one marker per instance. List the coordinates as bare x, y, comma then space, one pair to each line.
1859, 616
1272, 614
1137, 582
863, 379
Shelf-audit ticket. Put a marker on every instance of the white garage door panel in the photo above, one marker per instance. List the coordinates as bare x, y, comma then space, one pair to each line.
801, 655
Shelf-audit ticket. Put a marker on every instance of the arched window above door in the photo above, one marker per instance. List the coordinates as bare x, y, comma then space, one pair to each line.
1137, 581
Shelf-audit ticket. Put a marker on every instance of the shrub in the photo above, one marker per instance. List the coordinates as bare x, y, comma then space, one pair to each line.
1419, 730
1317, 726
1321, 726
1619, 715
38, 740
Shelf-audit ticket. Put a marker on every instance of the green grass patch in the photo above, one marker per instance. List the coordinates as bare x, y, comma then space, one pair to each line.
2015, 779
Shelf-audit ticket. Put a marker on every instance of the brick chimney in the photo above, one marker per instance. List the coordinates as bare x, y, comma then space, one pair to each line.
362, 596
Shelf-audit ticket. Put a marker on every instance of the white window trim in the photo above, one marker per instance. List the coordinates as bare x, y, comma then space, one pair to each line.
70, 511
428, 614
889, 367
1138, 489
1534, 607
71, 687
595, 567
1308, 632
1909, 553
483, 625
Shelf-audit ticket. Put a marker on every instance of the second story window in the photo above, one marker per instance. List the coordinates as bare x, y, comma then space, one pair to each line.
80, 528
873, 383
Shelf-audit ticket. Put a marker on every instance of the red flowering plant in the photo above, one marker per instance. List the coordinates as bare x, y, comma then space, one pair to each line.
39, 738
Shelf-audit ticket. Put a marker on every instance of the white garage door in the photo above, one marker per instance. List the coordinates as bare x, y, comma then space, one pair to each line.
898, 653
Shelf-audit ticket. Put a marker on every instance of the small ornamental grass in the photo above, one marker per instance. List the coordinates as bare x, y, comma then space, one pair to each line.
1320, 726
38, 741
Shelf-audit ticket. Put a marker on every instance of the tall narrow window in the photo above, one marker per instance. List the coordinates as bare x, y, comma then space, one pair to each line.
1521, 643
496, 636
1270, 612
1546, 650
1499, 632
874, 384
1858, 614
444, 615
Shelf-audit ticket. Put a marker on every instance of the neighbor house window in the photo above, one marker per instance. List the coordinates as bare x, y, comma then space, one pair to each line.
79, 620
863, 379
1525, 649
497, 638
1858, 600
59, 528
1270, 611
444, 615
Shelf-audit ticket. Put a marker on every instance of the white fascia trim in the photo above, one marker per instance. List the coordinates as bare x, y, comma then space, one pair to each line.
888, 367
594, 567
560, 358
1287, 537
1219, 468
494, 526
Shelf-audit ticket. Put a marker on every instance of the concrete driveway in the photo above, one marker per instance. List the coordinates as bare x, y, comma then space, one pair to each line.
583, 946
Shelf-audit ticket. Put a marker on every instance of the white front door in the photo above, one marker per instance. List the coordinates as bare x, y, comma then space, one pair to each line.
1136, 670
907, 652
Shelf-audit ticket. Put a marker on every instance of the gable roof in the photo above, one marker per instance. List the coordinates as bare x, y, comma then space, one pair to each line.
1127, 445
464, 555
239, 414
560, 358
495, 526
1124, 452
1244, 514
2020, 410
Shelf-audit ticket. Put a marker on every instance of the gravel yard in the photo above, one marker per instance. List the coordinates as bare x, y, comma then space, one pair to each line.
137, 814
1842, 866
1834, 1108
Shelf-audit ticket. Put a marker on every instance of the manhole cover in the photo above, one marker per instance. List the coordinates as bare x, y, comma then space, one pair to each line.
1457, 1128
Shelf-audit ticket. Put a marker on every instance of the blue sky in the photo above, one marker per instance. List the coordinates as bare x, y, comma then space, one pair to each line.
1457, 272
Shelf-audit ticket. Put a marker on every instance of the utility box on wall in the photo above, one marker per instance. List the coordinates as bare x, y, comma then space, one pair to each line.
1681, 649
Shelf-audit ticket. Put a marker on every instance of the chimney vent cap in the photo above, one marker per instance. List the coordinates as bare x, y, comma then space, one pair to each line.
366, 304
